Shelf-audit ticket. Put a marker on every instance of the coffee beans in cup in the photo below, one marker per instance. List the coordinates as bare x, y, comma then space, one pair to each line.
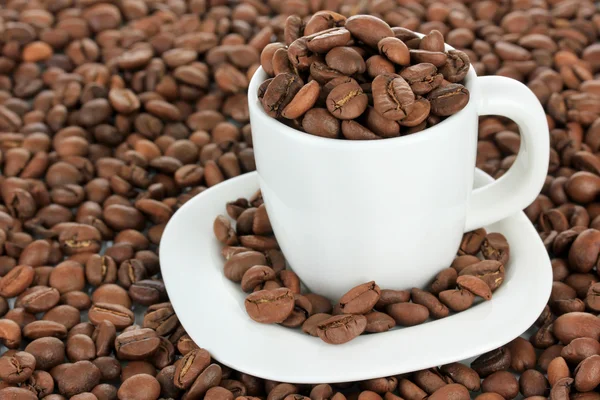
356, 78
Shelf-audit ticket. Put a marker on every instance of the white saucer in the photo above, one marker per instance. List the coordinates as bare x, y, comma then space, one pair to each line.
211, 308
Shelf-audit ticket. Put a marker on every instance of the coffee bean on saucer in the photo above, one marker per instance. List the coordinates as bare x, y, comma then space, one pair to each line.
269, 306
340, 329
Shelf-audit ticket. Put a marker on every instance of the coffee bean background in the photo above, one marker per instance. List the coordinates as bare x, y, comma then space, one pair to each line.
115, 113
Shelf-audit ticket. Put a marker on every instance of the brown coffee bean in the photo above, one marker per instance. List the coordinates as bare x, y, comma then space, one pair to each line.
189, 368
408, 314
580, 349
576, 325
474, 285
48, 352
533, 383
453, 390
493, 361
280, 93
392, 96
270, 306
39, 329
209, 378
522, 353
409, 390
64, 315
142, 387
340, 329
136, 345
17, 368
360, 299
502, 382
16, 281
491, 272
310, 325
347, 101
80, 347
462, 374
495, 247
303, 101
120, 316
111, 293
12, 392
319, 122
586, 376
135, 368
378, 322
448, 100
445, 279
435, 307
368, 29
457, 300
238, 264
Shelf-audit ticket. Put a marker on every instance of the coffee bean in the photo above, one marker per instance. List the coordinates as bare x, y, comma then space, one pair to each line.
48, 352
17, 368
502, 382
140, 387
361, 299
576, 325
120, 316
189, 368
448, 100
392, 96
491, 272
493, 361
368, 29
586, 376
462, 374
580, 349
341, 328
319, 122
408, 314
347, 101
269, 306
435, 307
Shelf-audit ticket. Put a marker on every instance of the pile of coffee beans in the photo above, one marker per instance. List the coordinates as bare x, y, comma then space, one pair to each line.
114, 113
365, 80
254, 260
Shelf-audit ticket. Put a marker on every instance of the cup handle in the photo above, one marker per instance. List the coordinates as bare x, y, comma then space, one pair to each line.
520, 185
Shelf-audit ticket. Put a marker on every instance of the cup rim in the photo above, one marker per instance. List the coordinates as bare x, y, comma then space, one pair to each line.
256, 110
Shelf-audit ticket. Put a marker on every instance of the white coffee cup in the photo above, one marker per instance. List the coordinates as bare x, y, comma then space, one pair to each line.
393, 210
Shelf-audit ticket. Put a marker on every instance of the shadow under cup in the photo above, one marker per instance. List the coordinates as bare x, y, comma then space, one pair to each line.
347, 212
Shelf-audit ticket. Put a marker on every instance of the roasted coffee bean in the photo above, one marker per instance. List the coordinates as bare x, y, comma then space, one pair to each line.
17, 368
522, 354
580, 349
188, 368
48, 352
448, 100
361, 299
270, 306
462, 374
502, 382
120, 316
408, 314
140, 387
341, 328
137, 345
493, 361
392, 96
280, 92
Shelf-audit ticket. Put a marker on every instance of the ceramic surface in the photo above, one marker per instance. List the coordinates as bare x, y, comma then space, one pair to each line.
391, 210
211, 308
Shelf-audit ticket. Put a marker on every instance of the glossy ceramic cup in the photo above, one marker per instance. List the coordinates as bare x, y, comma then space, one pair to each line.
393, 210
